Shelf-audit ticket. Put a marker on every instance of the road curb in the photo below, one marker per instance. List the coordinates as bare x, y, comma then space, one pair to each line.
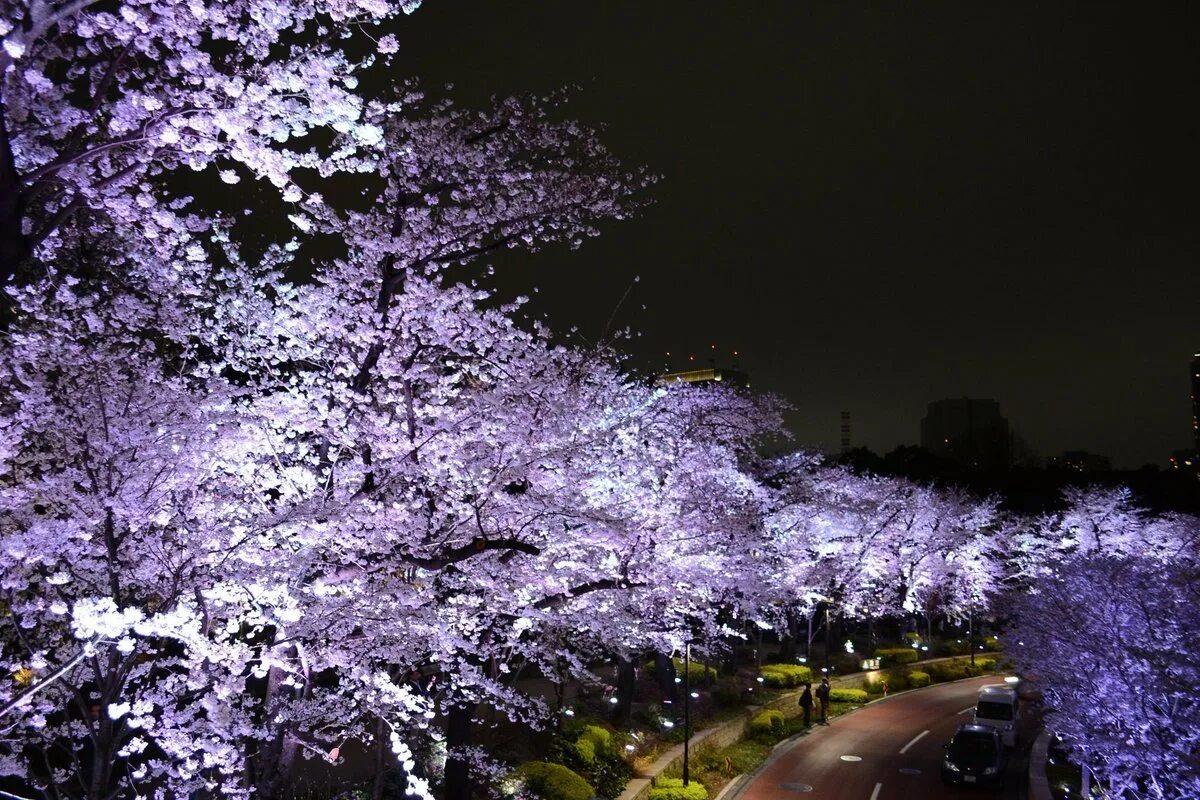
735, 784
1039, 784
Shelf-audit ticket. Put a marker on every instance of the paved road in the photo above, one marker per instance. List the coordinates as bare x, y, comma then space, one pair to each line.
904, 732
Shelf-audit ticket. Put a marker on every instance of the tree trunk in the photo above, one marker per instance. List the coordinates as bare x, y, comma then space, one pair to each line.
664, 673
787, 643
381, 753
458, 735
626, 686
14, 246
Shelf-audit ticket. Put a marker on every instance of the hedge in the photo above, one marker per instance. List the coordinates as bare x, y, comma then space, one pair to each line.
553, 781
592, 742
767, 724
673, 789
894, 656
596, 754
896, 679
848, 696
918, 679
781, 676
699, 672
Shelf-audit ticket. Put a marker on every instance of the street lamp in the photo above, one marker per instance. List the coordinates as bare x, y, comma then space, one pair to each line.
828, 603
687, 707
971, 633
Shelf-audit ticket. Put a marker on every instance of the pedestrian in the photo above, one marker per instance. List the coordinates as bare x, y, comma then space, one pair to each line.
806, 701
823, 696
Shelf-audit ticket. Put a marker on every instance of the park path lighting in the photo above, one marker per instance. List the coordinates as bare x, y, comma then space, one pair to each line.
971, 633
687, 709
827, 604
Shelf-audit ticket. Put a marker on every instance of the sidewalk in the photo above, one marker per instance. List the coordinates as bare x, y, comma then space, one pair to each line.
1039, 785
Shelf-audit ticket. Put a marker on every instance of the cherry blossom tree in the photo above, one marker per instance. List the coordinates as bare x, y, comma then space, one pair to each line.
99, 103
1104, 620
1110, 642
373, 462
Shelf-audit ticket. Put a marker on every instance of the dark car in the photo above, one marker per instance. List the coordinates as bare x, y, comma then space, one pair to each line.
975, 755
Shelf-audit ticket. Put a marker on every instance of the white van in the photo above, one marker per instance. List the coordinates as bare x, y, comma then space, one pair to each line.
998, 707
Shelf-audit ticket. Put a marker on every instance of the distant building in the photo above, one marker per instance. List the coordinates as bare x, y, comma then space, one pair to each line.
1185, 460
710, 375
970, 431
1081, 461
1196, 402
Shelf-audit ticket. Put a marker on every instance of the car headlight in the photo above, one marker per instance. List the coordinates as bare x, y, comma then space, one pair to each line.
950, 765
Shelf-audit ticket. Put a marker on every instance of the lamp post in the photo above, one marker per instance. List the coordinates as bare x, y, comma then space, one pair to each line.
971, 633
687, 707
827, 639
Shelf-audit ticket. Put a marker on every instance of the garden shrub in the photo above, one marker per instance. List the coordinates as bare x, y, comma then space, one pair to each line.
700, 674
706, 758
727, 693
597, 755
848, 696
551, 781
894, 656
942, 671
917, 679
845, 664
585, 751
781, 676
673, 789
592, 742
896, 679
767, 725
985, 665
957, 647
991, 643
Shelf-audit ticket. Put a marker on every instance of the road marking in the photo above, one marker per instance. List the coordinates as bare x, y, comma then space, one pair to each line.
875, 794
968, 708
916, 739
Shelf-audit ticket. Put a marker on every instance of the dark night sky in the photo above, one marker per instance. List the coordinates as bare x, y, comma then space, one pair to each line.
880, 204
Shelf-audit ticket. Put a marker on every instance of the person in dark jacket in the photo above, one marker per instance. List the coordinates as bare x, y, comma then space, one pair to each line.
806, 703
823, 696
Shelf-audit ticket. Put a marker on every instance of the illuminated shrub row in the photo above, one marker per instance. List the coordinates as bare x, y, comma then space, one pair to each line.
894, 656
767, 725
596, 754
848, 696
697, 673
550, 781
673, 789
781, 676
